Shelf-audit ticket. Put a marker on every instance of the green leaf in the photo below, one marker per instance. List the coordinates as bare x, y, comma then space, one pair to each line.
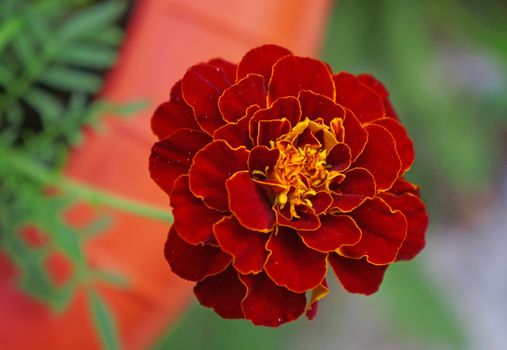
104, 322
71, 79
25, 48
87, 55
9, 30
49, 107
91, 19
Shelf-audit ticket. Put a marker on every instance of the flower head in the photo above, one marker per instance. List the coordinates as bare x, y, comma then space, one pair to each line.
277, 169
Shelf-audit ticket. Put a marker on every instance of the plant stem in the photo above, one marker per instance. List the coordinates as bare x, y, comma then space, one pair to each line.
93, 195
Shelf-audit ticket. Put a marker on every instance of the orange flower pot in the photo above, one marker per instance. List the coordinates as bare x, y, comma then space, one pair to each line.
163, 39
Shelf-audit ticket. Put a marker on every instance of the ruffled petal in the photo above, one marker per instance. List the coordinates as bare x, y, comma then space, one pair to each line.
318, 293
267, 304
355, 136
186, 207
237, 134
315, 106
404, 145
223, 292
251, 90
321, 202
307, 220
380, 89
357, 186
366, 104
261, 60
173, 156
292, 74
357, 275
415, 212
246, 247
212, 165
380, 157
249, 203
334, 232
339, 157
228, 68
193, 262
383, 232
292, 264
270, 130
202, 85
262, 157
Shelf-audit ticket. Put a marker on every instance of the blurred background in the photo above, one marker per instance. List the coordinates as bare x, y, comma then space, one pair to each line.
82, 226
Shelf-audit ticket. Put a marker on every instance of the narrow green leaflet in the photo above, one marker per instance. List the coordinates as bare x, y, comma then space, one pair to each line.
104, 321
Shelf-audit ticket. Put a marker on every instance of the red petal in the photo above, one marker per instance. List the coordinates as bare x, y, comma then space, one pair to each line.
307, 220
261, 60
267, 304
237, 134
383, 232
212, 165
223, 292
262, 157
380, 89
228, 68
318, 293
283, 108
366, 104
246, 247
417, 218
404, 145
355, 136
292, 264
202, 85
235, 100
357, 275
380, 157
315, 106
321, 202
193, 262
249, 203
357, 186
186, 207
339, 157
334, 232
270, 130
292, 74
173, 156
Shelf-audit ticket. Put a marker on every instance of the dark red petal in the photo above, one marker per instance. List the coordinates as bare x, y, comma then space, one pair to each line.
334, 232
173, 156
357, 186
357, 275
223, 292
339, 157
292, 264
402, 186
235, 100
321, 202
380, 89
417, 218
261, 60
404, 145
202, 85
366, 104
270, 130
246, 247
262, 157
228, 68
318, 293
380, 157
249, 203
237, 134
193, 262
355, 136
283, 108
267, 304
292, 74
383, 232
186, 208
212, 165
315, 106
307, 220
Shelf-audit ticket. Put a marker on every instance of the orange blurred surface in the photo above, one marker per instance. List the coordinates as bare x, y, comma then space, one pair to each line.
163, 39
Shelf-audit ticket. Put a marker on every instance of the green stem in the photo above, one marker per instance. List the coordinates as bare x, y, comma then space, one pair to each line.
88, 193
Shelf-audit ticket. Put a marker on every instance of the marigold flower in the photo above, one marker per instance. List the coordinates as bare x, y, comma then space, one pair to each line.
275, 167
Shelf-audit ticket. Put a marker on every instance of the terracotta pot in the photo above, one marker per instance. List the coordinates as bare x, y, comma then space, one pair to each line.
163, 39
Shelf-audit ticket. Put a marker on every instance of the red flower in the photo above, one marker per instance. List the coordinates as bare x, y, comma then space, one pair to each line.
275, 168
